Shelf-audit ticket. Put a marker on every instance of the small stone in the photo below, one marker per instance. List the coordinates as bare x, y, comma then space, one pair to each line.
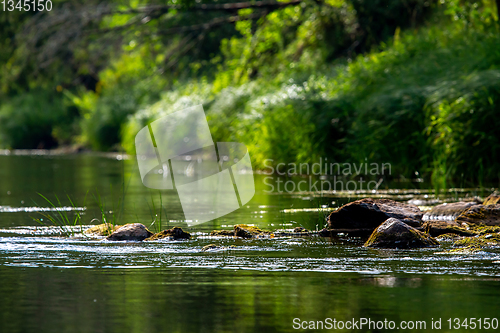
210, 247
222, 233
242, 232
175, 233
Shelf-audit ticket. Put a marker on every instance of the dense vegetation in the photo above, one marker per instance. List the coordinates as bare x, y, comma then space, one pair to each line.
413, 83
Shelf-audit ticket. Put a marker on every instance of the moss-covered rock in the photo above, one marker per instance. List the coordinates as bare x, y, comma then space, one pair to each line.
394, 233
492, 199
214, 247
104, 229
241, 230
222, 233
367, 214
481, 229
130, 232
210, 247
481, 214
436, 228
481, 241
448, 237
175, 233
470, 249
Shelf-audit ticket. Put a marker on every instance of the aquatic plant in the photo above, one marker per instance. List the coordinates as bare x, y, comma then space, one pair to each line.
109, 223
60, 217
157, 222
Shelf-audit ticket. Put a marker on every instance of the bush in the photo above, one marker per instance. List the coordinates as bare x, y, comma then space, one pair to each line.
36, 119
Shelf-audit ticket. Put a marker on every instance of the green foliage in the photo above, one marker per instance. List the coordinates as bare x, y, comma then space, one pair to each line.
412, 83
128, 85
36, 119
419, 102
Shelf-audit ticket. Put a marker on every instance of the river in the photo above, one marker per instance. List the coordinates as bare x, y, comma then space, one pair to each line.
73, 284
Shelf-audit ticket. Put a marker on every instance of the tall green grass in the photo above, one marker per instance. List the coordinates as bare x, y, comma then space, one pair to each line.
157, 213
60, 219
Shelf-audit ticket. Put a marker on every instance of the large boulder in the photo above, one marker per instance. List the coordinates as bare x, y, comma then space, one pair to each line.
367, 214
395, 234
130, 232
447, 211
481, 214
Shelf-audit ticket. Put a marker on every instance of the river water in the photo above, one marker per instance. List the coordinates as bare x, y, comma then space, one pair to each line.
51, 283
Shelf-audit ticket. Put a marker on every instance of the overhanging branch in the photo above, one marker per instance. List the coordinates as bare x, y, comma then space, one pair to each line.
146, 14
215, 22
209, 7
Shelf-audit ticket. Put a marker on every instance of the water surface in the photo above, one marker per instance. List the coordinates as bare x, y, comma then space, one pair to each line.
75, 284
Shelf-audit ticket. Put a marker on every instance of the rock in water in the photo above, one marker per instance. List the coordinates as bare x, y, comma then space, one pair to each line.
488, 215
222, 233
447, 211
367, 214
394, 234
175, 233
130, 232
241, 230
437, 228
210, 247
104, 229
492, 199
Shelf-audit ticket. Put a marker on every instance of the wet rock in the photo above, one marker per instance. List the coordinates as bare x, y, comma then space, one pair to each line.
447, 211
248, 229
493, 199
241, 230
365, 215
481, 229
300, 229
480, 214
447, 237
222, 233
175, 233
214, 247
480, 241
394, 233
104, 229
210, 247
130, 232
470, 249
437, 228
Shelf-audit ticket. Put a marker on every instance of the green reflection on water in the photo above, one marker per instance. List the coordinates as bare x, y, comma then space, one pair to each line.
259, 288
180, 300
